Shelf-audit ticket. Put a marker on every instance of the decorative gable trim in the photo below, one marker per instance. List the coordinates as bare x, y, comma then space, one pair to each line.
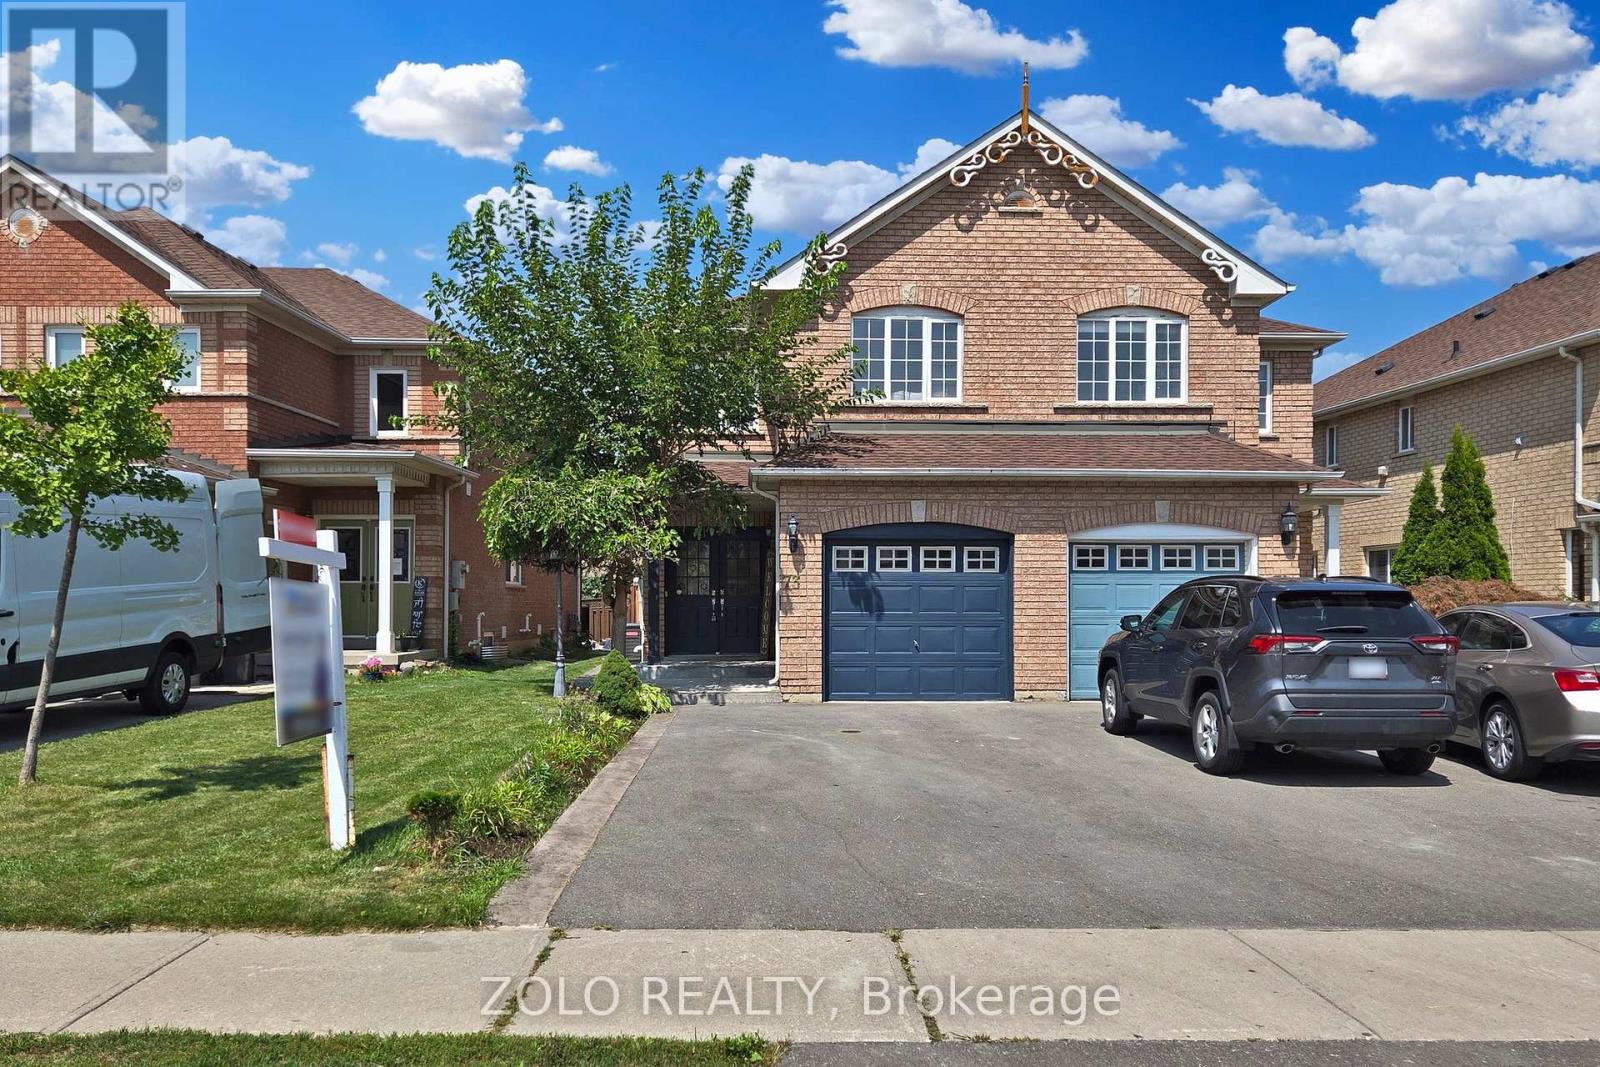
910, 294
1132, 295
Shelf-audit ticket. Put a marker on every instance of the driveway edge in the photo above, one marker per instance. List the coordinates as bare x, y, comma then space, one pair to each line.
528, 899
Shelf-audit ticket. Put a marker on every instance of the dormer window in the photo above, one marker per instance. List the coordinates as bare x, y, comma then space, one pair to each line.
1132, 356
908, 355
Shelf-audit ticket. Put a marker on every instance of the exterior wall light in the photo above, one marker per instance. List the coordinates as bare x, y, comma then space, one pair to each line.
1288, 522
794, 533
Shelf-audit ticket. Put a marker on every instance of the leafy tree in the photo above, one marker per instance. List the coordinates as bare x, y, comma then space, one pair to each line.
1464, 542
1411, 563
84, 432
596, 360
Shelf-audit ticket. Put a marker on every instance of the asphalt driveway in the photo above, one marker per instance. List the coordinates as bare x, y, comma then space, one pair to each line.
871, 817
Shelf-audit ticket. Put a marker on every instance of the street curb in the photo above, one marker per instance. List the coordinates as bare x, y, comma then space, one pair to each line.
528, 899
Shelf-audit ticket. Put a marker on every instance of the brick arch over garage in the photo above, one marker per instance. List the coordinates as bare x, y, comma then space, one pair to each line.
1181, 513
910, 294
1004, 520
1131, 295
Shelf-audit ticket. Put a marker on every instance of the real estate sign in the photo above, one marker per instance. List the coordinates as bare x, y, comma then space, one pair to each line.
302, 663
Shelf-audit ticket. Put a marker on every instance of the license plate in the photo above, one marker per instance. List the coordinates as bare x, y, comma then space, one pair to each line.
1369, 668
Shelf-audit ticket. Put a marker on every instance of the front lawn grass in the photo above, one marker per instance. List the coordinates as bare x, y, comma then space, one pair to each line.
202, 822
171, 1048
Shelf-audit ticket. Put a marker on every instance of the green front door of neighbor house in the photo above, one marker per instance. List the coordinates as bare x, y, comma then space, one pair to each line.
358, 582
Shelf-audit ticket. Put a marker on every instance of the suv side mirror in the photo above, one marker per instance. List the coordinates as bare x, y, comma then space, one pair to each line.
1130, 623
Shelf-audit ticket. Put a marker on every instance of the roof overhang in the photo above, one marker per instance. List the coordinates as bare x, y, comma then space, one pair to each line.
1339, 494
1249, 283
352, 466
1300, 340
1477, 370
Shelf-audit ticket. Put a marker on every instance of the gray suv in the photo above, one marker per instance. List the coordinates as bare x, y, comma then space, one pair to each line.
1325, 663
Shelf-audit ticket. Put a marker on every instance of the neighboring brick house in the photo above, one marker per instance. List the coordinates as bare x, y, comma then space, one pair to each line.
1519, 372
1082, 406
298, 374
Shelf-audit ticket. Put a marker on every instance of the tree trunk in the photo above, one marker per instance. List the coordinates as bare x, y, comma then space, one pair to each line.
30, 751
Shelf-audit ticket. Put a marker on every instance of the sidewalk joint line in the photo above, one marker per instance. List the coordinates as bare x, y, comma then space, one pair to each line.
1308, 987
99, 1001
1574, 941
897, 939
508, 1010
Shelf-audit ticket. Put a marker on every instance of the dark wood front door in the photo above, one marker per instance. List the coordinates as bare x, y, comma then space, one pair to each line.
715, 592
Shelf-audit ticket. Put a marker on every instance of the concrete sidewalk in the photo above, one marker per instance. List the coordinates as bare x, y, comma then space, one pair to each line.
821, 986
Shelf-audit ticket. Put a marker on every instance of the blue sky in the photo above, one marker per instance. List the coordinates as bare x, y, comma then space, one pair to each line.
1434, 158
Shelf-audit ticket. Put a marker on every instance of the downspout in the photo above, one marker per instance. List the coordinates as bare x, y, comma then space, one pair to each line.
777, 573
1577, 430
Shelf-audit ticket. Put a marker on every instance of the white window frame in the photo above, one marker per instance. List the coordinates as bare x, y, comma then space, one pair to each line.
1264, 397
1211, 563
987, 559
1388, 563
179, 387
927, 316
514, 576
50, 335
372, 401
1150, 319
849, 559
1405, 429
927, 558
1165, 565
1081, 553
901, 563
1149, 558
1330, 446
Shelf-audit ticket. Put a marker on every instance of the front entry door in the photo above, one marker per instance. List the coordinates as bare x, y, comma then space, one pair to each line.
358, 582
715, 592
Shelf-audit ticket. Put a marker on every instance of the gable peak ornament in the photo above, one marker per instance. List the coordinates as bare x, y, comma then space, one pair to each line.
996, 151
24, 226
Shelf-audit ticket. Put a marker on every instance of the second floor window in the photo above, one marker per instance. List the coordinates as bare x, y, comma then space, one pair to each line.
908, 354
1330, 446
387, 402
513, 573
62, 345
1405, 430
1131, 357
1264, 397
188, 380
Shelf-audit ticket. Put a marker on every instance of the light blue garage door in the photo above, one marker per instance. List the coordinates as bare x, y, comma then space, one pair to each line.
1113, 579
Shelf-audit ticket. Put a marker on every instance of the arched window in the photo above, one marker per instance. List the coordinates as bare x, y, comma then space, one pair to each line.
1132, 356
908, 354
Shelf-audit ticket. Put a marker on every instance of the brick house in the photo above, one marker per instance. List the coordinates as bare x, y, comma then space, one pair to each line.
1082, 406
297, 379
1519, 372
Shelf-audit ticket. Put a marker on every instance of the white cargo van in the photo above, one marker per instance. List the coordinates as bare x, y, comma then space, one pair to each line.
138, 620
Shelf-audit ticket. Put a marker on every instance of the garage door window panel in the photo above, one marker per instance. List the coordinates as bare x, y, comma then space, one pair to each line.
1133, 557
941, 558
1091, 558
1177, 558
850, 558
1222, 557
894, 558
983, 559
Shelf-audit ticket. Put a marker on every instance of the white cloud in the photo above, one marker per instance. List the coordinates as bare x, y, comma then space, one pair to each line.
1334, 360
1289, 119
369, 278
1310, 58
1234, 199
340, 254
379, 256
932, 151
603, 68
427, 253
1445, 49
1452, 229
218, 173
475, 109
1555, 127
571, 157
1097, 122
943, 33
546, 205
257, 238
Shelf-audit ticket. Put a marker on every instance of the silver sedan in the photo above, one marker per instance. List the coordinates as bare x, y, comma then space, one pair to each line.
1528, 684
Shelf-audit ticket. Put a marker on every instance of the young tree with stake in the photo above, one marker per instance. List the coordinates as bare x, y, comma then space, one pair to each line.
78, 434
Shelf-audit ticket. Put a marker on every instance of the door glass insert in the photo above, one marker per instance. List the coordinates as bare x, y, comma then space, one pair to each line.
741, 574
400, 567
350, 545
694, 569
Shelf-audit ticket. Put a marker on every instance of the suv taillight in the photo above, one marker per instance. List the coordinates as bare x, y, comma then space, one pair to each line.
1577, 681
1283, 643
1440, 643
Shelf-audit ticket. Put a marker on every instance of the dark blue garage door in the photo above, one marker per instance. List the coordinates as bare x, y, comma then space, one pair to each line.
917, 612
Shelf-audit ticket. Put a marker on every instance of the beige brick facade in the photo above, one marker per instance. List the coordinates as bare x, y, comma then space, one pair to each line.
1532, 482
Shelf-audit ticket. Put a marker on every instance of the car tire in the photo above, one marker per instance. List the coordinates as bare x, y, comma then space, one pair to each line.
1405, 760
1505, 755
1115, 718
167, 691
1216, 749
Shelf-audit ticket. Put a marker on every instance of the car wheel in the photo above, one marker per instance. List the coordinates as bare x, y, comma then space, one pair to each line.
1115, 718
1405, 760
1504, 753
1216, 750
168, 689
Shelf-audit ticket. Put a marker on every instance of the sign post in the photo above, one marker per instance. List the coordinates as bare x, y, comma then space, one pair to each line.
308, 660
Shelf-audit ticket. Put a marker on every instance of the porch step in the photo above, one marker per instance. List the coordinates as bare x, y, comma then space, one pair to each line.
691, 680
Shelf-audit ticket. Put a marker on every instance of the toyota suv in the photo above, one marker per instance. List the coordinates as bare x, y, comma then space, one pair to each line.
1324, 663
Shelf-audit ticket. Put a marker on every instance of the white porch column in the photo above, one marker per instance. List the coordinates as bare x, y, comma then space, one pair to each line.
385, 565
1593, 570
1330, 547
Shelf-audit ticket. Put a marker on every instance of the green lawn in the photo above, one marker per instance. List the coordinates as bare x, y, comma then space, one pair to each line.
172, 1048
200, 821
